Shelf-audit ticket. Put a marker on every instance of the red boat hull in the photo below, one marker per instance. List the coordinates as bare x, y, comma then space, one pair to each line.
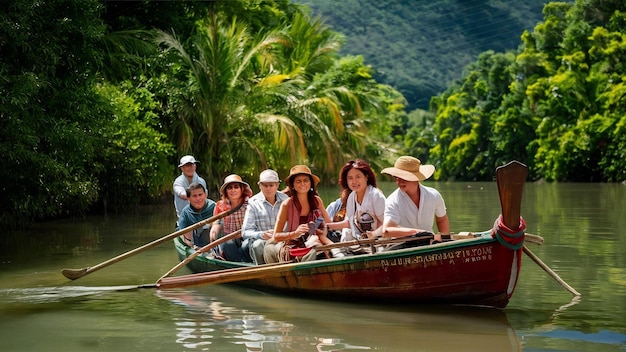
477, 271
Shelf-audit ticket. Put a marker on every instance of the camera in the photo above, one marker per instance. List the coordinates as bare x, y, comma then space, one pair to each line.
315, 225
364, 222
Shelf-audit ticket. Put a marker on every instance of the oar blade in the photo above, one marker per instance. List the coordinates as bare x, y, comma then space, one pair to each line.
74, 274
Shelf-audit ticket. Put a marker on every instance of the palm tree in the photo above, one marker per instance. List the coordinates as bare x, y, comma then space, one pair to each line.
249, 105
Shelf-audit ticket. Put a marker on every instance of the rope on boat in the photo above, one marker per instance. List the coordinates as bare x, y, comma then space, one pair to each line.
512, 239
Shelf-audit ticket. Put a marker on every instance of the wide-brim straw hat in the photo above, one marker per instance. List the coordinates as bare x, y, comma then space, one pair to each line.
302, 170
410, 169
232, 179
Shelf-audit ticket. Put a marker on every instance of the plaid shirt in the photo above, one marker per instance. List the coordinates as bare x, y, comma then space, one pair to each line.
261, 215
233, 221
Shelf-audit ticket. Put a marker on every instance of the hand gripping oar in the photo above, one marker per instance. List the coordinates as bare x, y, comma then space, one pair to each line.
510, 179
230, 236
74, 274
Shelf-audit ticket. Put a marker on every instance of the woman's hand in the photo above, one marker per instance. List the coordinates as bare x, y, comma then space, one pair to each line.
301, 230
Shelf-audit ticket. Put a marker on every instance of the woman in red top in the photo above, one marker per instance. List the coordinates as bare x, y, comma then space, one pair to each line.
300, 221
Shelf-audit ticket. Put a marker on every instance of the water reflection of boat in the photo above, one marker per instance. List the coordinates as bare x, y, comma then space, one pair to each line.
220, 315
480, 270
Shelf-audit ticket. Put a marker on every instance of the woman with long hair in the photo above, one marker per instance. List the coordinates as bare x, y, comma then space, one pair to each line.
300, 222
365, 206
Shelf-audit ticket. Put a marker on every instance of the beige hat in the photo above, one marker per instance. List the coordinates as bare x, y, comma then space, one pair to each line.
410, 169
188, 159
302, 170
232, 179
269, 176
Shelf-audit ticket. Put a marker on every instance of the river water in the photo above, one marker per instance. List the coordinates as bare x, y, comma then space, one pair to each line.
582, 224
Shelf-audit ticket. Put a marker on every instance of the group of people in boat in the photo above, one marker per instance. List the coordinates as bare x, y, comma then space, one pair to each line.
285, 225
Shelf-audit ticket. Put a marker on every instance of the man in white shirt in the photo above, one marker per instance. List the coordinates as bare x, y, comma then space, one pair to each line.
413, 207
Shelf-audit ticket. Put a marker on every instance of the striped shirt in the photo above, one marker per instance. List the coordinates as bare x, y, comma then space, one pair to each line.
261, 215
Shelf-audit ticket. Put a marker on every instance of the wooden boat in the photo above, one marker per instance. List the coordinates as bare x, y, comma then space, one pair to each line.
477, 269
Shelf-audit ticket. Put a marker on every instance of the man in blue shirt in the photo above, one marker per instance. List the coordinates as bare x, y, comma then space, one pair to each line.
199, 208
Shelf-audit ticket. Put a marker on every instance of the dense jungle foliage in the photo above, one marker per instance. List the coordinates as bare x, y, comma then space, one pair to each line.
558, 104
98, 101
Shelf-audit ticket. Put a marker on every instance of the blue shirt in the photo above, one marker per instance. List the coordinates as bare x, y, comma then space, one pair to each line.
190, 216
181, 183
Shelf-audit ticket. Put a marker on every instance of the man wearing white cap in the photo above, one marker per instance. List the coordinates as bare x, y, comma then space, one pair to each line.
260, 218
413, 207
181, 183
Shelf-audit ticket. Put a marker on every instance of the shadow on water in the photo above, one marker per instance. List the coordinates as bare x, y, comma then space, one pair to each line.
271, 323
228, 318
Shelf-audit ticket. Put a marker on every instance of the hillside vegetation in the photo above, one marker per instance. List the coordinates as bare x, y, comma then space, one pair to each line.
419, 47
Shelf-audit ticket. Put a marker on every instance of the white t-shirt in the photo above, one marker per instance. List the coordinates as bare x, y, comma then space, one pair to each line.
400, 209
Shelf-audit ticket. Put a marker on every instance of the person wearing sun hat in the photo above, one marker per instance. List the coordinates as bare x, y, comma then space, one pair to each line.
234, 192
413, 207
260, 219
188, 175
301, 220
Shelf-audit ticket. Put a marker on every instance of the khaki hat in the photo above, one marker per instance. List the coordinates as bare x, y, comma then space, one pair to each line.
410, 169
232, 179
188, 159
302, 170
269, 176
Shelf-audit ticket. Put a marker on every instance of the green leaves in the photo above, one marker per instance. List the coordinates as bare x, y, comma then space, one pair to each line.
553, 106
274, 98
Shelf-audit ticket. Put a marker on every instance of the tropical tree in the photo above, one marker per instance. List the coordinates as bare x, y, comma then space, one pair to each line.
68, 146
558, 105
251, 101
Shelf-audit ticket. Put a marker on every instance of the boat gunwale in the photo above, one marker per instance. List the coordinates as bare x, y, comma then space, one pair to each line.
483, 237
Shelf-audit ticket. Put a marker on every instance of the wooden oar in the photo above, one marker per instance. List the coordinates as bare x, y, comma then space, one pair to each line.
74, 274
510, 179
547, 269
230, 236
226, 275
530, 238
260, 271
375, 241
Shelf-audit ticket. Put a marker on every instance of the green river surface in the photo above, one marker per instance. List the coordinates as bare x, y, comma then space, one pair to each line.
583, 226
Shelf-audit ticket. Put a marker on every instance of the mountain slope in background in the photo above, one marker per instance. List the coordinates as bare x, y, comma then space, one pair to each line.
421, 47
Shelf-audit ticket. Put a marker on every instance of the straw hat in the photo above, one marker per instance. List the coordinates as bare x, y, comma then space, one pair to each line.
232, 179
410, 169
301, 170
